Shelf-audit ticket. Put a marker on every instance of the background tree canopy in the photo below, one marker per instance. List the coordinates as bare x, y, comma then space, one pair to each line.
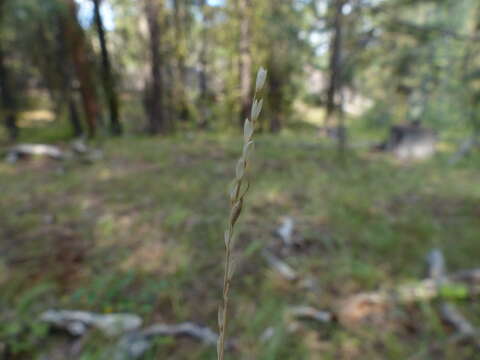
165, 66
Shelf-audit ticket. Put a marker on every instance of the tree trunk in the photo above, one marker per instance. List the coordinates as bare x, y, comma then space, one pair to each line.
335, 96
245, 61
156, 92
74, 118
8, 100
65, 68
107, 75
335, 66
180, 98
83, 67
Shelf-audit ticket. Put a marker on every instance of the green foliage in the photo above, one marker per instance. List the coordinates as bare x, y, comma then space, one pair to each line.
416, 59
457, 292
416, 64
20, 330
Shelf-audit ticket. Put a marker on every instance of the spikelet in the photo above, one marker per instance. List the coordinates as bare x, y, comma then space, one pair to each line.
237, 196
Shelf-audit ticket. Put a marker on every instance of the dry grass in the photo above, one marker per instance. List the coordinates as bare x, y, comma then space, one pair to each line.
237, 196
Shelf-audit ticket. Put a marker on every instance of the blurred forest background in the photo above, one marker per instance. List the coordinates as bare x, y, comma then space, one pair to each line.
121, 123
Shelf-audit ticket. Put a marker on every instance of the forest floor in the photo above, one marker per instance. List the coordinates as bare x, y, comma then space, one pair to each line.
140, 231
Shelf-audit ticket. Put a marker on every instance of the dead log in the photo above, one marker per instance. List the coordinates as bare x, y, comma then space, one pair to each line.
25, 150
455, 319
134, 342
78, 149
77, 323
310, 313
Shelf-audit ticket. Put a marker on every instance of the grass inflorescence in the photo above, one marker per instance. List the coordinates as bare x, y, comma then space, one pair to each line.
237, 195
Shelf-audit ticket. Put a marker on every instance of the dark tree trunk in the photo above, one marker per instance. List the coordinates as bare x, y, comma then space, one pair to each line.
83, 68
334, 104
180, 99
335, 66
155, 92
278, 74
74, 118
107, 75
66, 73
8, 100
245, 61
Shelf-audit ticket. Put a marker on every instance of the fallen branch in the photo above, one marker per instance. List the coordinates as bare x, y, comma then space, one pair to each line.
204, 334
280, 266
134, 345
22, 150
310, 313
77, 323
454, 318
448, 312
134, 341
77, 148
285, 231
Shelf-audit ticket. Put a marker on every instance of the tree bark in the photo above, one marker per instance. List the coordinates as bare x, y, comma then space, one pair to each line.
74, 118
8, 100
155, 92
180, 98
83, 67
107, 75
245, 60
335, 66
335, 96
65, 68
